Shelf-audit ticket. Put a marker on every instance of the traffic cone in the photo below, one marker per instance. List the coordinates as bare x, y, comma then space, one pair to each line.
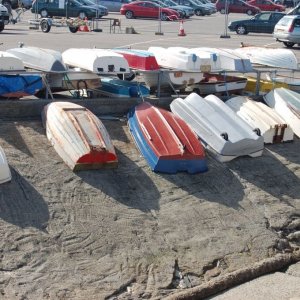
85, 27
181, 30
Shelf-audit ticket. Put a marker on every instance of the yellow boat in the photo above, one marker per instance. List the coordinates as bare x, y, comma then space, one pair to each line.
265, 86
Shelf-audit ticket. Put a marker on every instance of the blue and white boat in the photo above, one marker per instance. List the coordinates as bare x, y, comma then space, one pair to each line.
113, 87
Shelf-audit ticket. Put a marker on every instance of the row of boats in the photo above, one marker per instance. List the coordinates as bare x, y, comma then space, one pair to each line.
31, 71
174, 141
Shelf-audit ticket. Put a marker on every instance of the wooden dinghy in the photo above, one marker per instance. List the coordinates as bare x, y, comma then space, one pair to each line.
218, 127
5, 174
262, 118
78, 136
98, 61
287, 105
167, 142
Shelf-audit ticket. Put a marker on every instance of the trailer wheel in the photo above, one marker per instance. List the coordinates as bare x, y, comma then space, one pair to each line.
1, 26
73, 29
45, 26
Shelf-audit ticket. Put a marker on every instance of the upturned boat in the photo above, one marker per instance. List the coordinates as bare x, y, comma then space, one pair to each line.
99, 61
167, 142
9, 62
262, 118
287, 105
218, 127
5, 174
78, 136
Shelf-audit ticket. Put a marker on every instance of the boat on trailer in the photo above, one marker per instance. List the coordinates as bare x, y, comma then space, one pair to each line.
9, 62
287, 105
99, 61
78, 136
218, 127
113, 87
262, 118
166, 141
5, 174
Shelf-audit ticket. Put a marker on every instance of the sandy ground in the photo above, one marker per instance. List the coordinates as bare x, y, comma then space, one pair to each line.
129, 233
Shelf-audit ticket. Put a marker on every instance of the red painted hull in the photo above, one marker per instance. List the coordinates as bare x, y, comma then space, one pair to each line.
139, 59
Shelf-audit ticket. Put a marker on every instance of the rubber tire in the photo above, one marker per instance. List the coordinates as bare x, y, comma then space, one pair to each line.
44, 13
288, 44
129, 14
249, 12
164, 16
45, 27
241, 29
198, 12
73, 29
82, 15
1, 26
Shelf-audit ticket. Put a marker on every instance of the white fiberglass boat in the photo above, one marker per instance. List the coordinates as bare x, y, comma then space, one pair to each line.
5, 174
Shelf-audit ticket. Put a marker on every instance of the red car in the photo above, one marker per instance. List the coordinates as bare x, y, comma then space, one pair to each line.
267, 5
236, 6
146, 9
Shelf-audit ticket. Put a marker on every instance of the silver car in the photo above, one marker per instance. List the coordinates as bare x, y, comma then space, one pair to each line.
287, 30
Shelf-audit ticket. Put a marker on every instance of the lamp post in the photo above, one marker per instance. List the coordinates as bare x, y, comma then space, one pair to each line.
225, 35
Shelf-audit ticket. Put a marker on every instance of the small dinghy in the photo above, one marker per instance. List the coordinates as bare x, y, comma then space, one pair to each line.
218, 127
262, 118
9, 62
98, 61
139, 59
216, 83
167, 142
287, 105
78, 136
272, 57
5, 174
113, 87
45, 60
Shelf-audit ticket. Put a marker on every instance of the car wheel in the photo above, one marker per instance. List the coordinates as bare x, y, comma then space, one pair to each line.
164, 16
241, 29
249, 12
222, 11
44, 13
129, 14
82, 15
1, 26
73, 29
288, 44
198, 12
45, 26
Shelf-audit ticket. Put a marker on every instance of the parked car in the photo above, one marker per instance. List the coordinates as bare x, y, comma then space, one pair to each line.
113, 5
13, 4
188, 11
287, 30
199, 9
209, 5
101, 10
261, 23
162, 4
4, 17
236, 6
72, 8
267, 5
147, 9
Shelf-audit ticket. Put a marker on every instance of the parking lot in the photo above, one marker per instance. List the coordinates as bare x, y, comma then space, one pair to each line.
200, 31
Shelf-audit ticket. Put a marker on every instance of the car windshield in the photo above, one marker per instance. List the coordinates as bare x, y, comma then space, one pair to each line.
162, 4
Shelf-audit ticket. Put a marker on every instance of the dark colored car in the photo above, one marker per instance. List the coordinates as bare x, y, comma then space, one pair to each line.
71, 8
147, 9
236, 6
261, 23
267, 5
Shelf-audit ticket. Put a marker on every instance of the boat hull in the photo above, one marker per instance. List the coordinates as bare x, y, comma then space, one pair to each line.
166, 142
263, 118
287, 105
78, 136
218, 127
5, 174
9, 62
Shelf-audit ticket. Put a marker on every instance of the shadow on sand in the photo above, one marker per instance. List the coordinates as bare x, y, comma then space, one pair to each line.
21, 204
